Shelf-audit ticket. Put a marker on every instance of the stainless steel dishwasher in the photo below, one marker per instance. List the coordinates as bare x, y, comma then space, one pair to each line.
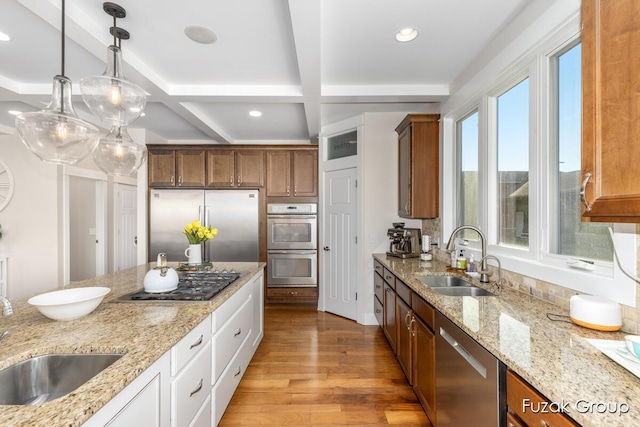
470, 381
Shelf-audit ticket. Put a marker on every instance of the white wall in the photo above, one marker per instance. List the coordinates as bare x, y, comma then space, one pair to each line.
30, 221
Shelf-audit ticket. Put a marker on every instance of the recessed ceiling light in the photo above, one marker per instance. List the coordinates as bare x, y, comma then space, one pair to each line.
4, 37
14, 112
200, 34
406, 34
255, 113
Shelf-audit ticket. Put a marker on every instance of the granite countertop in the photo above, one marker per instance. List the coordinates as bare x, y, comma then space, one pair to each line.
144, 331
552, 356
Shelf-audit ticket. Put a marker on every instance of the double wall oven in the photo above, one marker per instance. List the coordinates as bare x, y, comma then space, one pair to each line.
292, 245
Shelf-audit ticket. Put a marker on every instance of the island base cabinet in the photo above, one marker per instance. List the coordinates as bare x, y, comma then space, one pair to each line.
190, 388
143, 403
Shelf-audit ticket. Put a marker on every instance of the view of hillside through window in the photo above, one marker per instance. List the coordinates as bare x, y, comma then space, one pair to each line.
573, 237
512, 130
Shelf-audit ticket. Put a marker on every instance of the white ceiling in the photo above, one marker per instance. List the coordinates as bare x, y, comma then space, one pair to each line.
302, 63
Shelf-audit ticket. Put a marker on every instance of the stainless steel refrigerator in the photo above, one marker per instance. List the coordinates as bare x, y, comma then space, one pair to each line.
235, 213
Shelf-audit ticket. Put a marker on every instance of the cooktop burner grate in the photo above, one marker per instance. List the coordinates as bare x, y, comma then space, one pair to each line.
192, 286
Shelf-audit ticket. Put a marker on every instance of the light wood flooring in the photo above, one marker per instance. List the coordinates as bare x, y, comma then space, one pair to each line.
318, 369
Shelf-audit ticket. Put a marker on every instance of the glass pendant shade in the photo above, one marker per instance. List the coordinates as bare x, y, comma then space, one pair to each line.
56, 134
111, 97
118, 154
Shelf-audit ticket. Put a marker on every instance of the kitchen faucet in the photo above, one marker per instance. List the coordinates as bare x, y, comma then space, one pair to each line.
484, 276
7, 308
499, 282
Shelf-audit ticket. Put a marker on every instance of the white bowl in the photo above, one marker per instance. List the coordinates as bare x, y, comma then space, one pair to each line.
69, 304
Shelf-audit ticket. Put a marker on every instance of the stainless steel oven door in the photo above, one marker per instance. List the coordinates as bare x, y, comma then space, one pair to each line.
292, 268
292, 232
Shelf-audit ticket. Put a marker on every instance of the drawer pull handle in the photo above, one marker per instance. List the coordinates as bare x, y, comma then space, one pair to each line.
198, 388
407, 318
238, 333
197, 343
543, 423
583, 194
378, 310
411, 328
378, 286
237, 373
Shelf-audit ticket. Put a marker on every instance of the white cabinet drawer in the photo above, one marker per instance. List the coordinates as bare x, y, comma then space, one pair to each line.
222, 314
203, 417
225, 387
191, 387
189, 346
229, 338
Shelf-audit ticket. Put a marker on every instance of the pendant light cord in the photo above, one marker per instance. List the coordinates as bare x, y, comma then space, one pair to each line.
62, 56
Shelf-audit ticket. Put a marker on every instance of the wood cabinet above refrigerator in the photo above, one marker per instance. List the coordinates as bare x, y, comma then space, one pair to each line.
418, 166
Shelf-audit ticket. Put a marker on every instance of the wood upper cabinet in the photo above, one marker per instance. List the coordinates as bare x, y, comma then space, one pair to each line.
292, 173
418, 166
250, 168
610, 116
162, 168
190, 168
220, 168
176, 168
231, 168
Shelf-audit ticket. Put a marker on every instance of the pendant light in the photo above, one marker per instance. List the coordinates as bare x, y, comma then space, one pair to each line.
118, 154
111, 97
56, 134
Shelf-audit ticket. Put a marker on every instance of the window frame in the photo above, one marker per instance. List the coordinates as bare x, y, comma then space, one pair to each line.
536, 262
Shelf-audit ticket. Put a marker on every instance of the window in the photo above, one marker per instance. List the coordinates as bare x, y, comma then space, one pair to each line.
512, 140
343, 145
571, 237
467, 135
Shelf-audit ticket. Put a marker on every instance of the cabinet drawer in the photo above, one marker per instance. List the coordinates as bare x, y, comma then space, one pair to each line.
189, 346
191, 387
229, 338
378, 310
518, 390
222, 314
225, 387
378, 286
403, 291
203, 417
424, 311
377, 267
389, 278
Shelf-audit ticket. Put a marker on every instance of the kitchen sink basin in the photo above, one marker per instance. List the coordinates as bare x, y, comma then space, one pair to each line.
453, 286
443, 281
463, 291
44, 378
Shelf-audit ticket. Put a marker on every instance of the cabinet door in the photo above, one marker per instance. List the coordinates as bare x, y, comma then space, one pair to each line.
403, 320
424, 366
390, 324
305, 173
404, 173
250, 168
278, 173
610, 117
190, 168
162, 168
220, 168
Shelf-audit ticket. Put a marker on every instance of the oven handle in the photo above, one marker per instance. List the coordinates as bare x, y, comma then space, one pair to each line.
293, 252
292, 216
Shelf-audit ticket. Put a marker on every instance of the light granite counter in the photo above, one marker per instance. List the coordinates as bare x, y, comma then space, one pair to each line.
143, 331
552, 356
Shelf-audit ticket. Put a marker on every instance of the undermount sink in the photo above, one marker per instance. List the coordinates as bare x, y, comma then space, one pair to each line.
44, 378
453, 286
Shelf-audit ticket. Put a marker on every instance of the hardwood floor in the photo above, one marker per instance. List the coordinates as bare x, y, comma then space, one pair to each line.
318, 369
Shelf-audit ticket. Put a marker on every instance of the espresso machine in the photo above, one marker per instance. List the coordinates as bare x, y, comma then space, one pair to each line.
404, 242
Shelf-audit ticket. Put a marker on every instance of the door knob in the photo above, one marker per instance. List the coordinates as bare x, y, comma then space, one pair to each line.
326, 248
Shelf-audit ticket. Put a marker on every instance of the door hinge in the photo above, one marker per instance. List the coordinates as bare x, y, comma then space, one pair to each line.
356, 240
356, 296
356, 183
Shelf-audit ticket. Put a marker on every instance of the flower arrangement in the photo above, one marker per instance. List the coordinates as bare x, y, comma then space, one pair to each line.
196, 233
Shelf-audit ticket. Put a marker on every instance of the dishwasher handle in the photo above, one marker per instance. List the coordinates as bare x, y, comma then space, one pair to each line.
464, 353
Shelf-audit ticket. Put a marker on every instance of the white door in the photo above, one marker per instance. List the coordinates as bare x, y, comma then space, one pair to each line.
126, 238
339, 238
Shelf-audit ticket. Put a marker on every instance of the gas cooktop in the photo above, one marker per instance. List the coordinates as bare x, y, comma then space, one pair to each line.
192, 286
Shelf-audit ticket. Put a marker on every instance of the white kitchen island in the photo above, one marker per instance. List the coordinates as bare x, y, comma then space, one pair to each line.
182, 360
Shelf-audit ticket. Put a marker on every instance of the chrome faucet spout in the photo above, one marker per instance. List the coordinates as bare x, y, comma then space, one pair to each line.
7, 308
484, 277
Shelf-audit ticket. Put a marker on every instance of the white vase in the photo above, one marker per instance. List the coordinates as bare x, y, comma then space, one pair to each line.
194, 253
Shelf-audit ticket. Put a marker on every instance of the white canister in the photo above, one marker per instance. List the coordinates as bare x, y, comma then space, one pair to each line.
426, 243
